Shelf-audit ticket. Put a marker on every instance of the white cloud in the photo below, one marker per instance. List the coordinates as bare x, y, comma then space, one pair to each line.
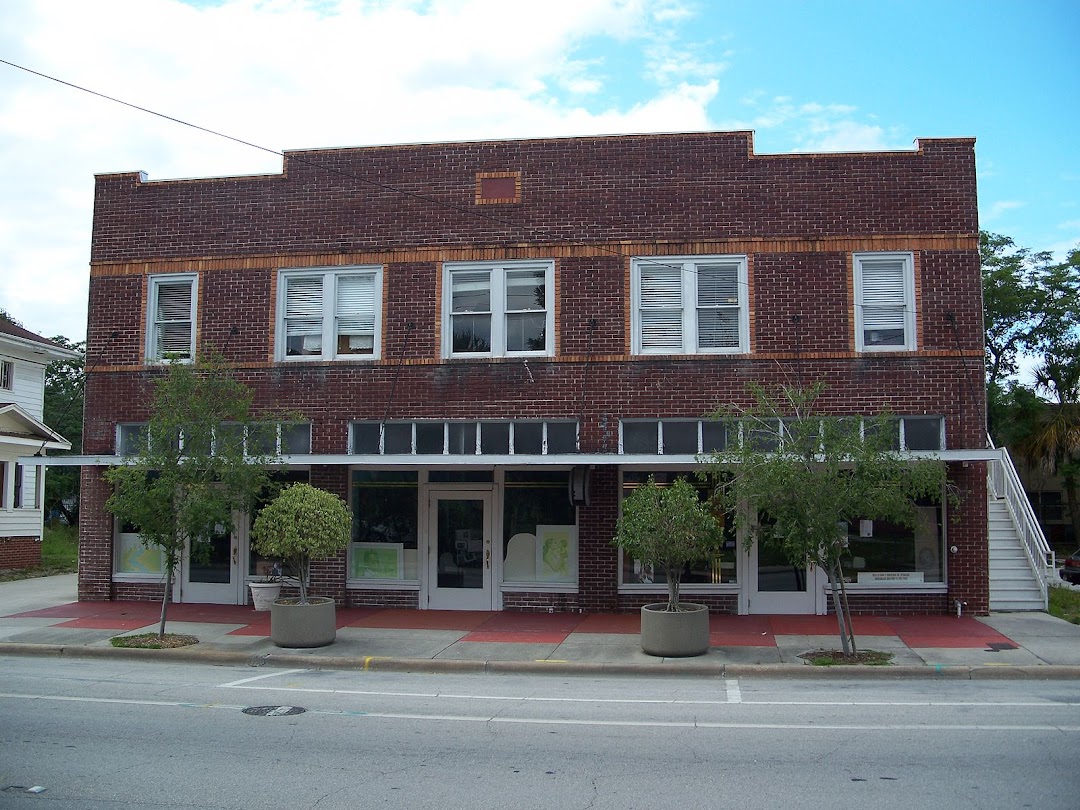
995, 210
290, 74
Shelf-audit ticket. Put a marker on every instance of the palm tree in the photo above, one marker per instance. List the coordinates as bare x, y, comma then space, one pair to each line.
1053, 443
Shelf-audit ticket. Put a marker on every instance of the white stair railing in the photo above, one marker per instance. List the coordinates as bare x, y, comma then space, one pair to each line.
1005, 484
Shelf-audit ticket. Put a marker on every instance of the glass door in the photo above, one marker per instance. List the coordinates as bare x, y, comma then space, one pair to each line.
459, 551
777, 586
213, 575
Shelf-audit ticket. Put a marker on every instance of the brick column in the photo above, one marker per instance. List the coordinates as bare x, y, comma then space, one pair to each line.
598, 560
95, 537
328, 576
966, 529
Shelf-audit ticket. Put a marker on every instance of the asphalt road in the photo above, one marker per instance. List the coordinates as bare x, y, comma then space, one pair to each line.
120, 734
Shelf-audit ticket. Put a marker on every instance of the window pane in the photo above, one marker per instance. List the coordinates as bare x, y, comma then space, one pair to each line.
640, 437
172, 329
132, 438
472, 333
528, 438
561, 437
303, 315
471, 292
714, 436
365, 438
922, 434
429, 437
356, 314
526, 332
877, 547
718, 328
385, 509
718, 285
296, 438
398, 438
494, 438
462, 438
661, 307
525, 290
538, 522
680, 437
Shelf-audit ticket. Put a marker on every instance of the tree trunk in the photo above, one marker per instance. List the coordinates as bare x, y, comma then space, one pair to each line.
673, 587
847, 608
165, 598
838, 606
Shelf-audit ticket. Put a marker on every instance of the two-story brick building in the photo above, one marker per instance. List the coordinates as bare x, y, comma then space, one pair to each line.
490, 342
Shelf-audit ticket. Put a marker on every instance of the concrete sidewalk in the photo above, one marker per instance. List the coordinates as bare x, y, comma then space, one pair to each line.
41, 617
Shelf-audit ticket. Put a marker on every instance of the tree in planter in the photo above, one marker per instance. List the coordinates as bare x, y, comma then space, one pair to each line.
190, 471
794, 478
302, 524
668, 528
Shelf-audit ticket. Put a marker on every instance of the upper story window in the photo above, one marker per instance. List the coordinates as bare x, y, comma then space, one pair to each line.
690, 305
498, 310
7, 375
329, 314
884, 302
171, 317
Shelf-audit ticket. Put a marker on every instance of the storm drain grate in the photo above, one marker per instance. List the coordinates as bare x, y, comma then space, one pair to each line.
273, 711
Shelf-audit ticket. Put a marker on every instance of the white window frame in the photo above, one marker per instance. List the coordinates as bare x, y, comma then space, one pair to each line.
153, 323
498, 271
330, 277
905, 296
7, 375
688, 303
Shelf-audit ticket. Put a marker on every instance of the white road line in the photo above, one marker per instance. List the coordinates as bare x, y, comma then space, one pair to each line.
734, 696
532, 721
276, 674
734, 693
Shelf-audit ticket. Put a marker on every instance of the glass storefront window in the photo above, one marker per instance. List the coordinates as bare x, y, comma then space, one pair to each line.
539, 529
258, 565
385, 506
719, 569
132, 556
882, 553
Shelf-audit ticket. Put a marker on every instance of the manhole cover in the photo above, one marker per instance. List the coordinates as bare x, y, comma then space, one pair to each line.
274, 711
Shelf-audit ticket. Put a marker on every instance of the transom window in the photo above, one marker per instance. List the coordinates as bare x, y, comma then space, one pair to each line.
498, 310
267, 439
690, 305
884, 302
329, 314
693, 436
520, 437
170, 333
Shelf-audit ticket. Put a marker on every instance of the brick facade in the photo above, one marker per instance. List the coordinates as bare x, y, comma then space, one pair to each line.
588, 204
19, 552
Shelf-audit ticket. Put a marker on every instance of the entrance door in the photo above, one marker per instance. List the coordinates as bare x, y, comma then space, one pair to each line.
213, 577
777, 586
459, 551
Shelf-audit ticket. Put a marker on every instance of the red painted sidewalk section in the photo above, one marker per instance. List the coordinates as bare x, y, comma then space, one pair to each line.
548, 628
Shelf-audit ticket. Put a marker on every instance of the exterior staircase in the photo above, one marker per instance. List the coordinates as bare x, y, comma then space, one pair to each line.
1021, 561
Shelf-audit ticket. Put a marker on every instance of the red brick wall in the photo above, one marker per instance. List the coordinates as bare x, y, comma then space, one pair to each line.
604, 189
95, 538
20, 552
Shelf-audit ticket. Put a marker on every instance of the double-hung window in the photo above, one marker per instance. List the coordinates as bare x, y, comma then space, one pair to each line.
498, 310
690, 305
329, 314
171, 317
884, 302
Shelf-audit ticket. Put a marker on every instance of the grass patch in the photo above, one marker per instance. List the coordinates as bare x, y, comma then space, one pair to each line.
151, 641
831, 658
1065, 604
59, 555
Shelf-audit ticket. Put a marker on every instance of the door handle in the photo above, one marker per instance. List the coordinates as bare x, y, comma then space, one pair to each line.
487, 558
234, 554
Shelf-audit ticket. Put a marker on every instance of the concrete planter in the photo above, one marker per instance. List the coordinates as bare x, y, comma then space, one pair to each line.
263, 594
676, 634
310, 625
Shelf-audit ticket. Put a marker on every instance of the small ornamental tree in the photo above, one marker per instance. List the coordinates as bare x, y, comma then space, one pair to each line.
190, 472
793, 477
668, 527
302, 524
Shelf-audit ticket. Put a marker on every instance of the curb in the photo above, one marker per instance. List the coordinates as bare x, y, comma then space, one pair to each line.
295, 660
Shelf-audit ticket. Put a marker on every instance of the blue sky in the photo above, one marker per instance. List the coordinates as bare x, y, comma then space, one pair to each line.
805, 76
